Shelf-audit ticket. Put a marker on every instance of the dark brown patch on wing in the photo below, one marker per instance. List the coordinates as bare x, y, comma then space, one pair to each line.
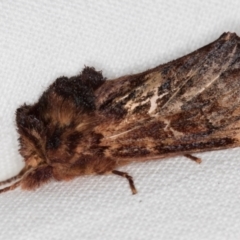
131, 151
154, 130
189, 122
142, 109
212, 144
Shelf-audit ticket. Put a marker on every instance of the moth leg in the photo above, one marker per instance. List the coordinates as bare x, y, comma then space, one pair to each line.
195, 159
128, 177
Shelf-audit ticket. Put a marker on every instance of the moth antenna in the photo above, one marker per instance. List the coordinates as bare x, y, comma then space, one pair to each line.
20, 175
10, 180
14, 178
11, 187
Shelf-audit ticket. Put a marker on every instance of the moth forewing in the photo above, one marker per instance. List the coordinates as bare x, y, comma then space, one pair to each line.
86, 125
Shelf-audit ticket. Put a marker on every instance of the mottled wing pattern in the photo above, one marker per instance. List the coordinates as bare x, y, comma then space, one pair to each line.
86, 125
189, 105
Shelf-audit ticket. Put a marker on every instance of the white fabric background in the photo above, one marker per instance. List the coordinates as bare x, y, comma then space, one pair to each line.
177, 198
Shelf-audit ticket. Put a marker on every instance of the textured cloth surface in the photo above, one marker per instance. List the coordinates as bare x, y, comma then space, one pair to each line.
177, 198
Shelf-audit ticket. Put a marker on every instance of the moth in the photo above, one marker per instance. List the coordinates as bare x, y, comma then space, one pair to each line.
86, 125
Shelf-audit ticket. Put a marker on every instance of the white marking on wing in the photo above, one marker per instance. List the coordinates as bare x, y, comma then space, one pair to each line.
153, 101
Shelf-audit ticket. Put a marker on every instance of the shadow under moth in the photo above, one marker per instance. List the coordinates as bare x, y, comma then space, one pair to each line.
87, 125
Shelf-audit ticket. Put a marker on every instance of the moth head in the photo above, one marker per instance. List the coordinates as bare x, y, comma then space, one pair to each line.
52, 139
44, 145
53, 129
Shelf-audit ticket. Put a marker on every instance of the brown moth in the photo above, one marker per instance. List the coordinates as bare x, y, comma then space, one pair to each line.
86, 125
